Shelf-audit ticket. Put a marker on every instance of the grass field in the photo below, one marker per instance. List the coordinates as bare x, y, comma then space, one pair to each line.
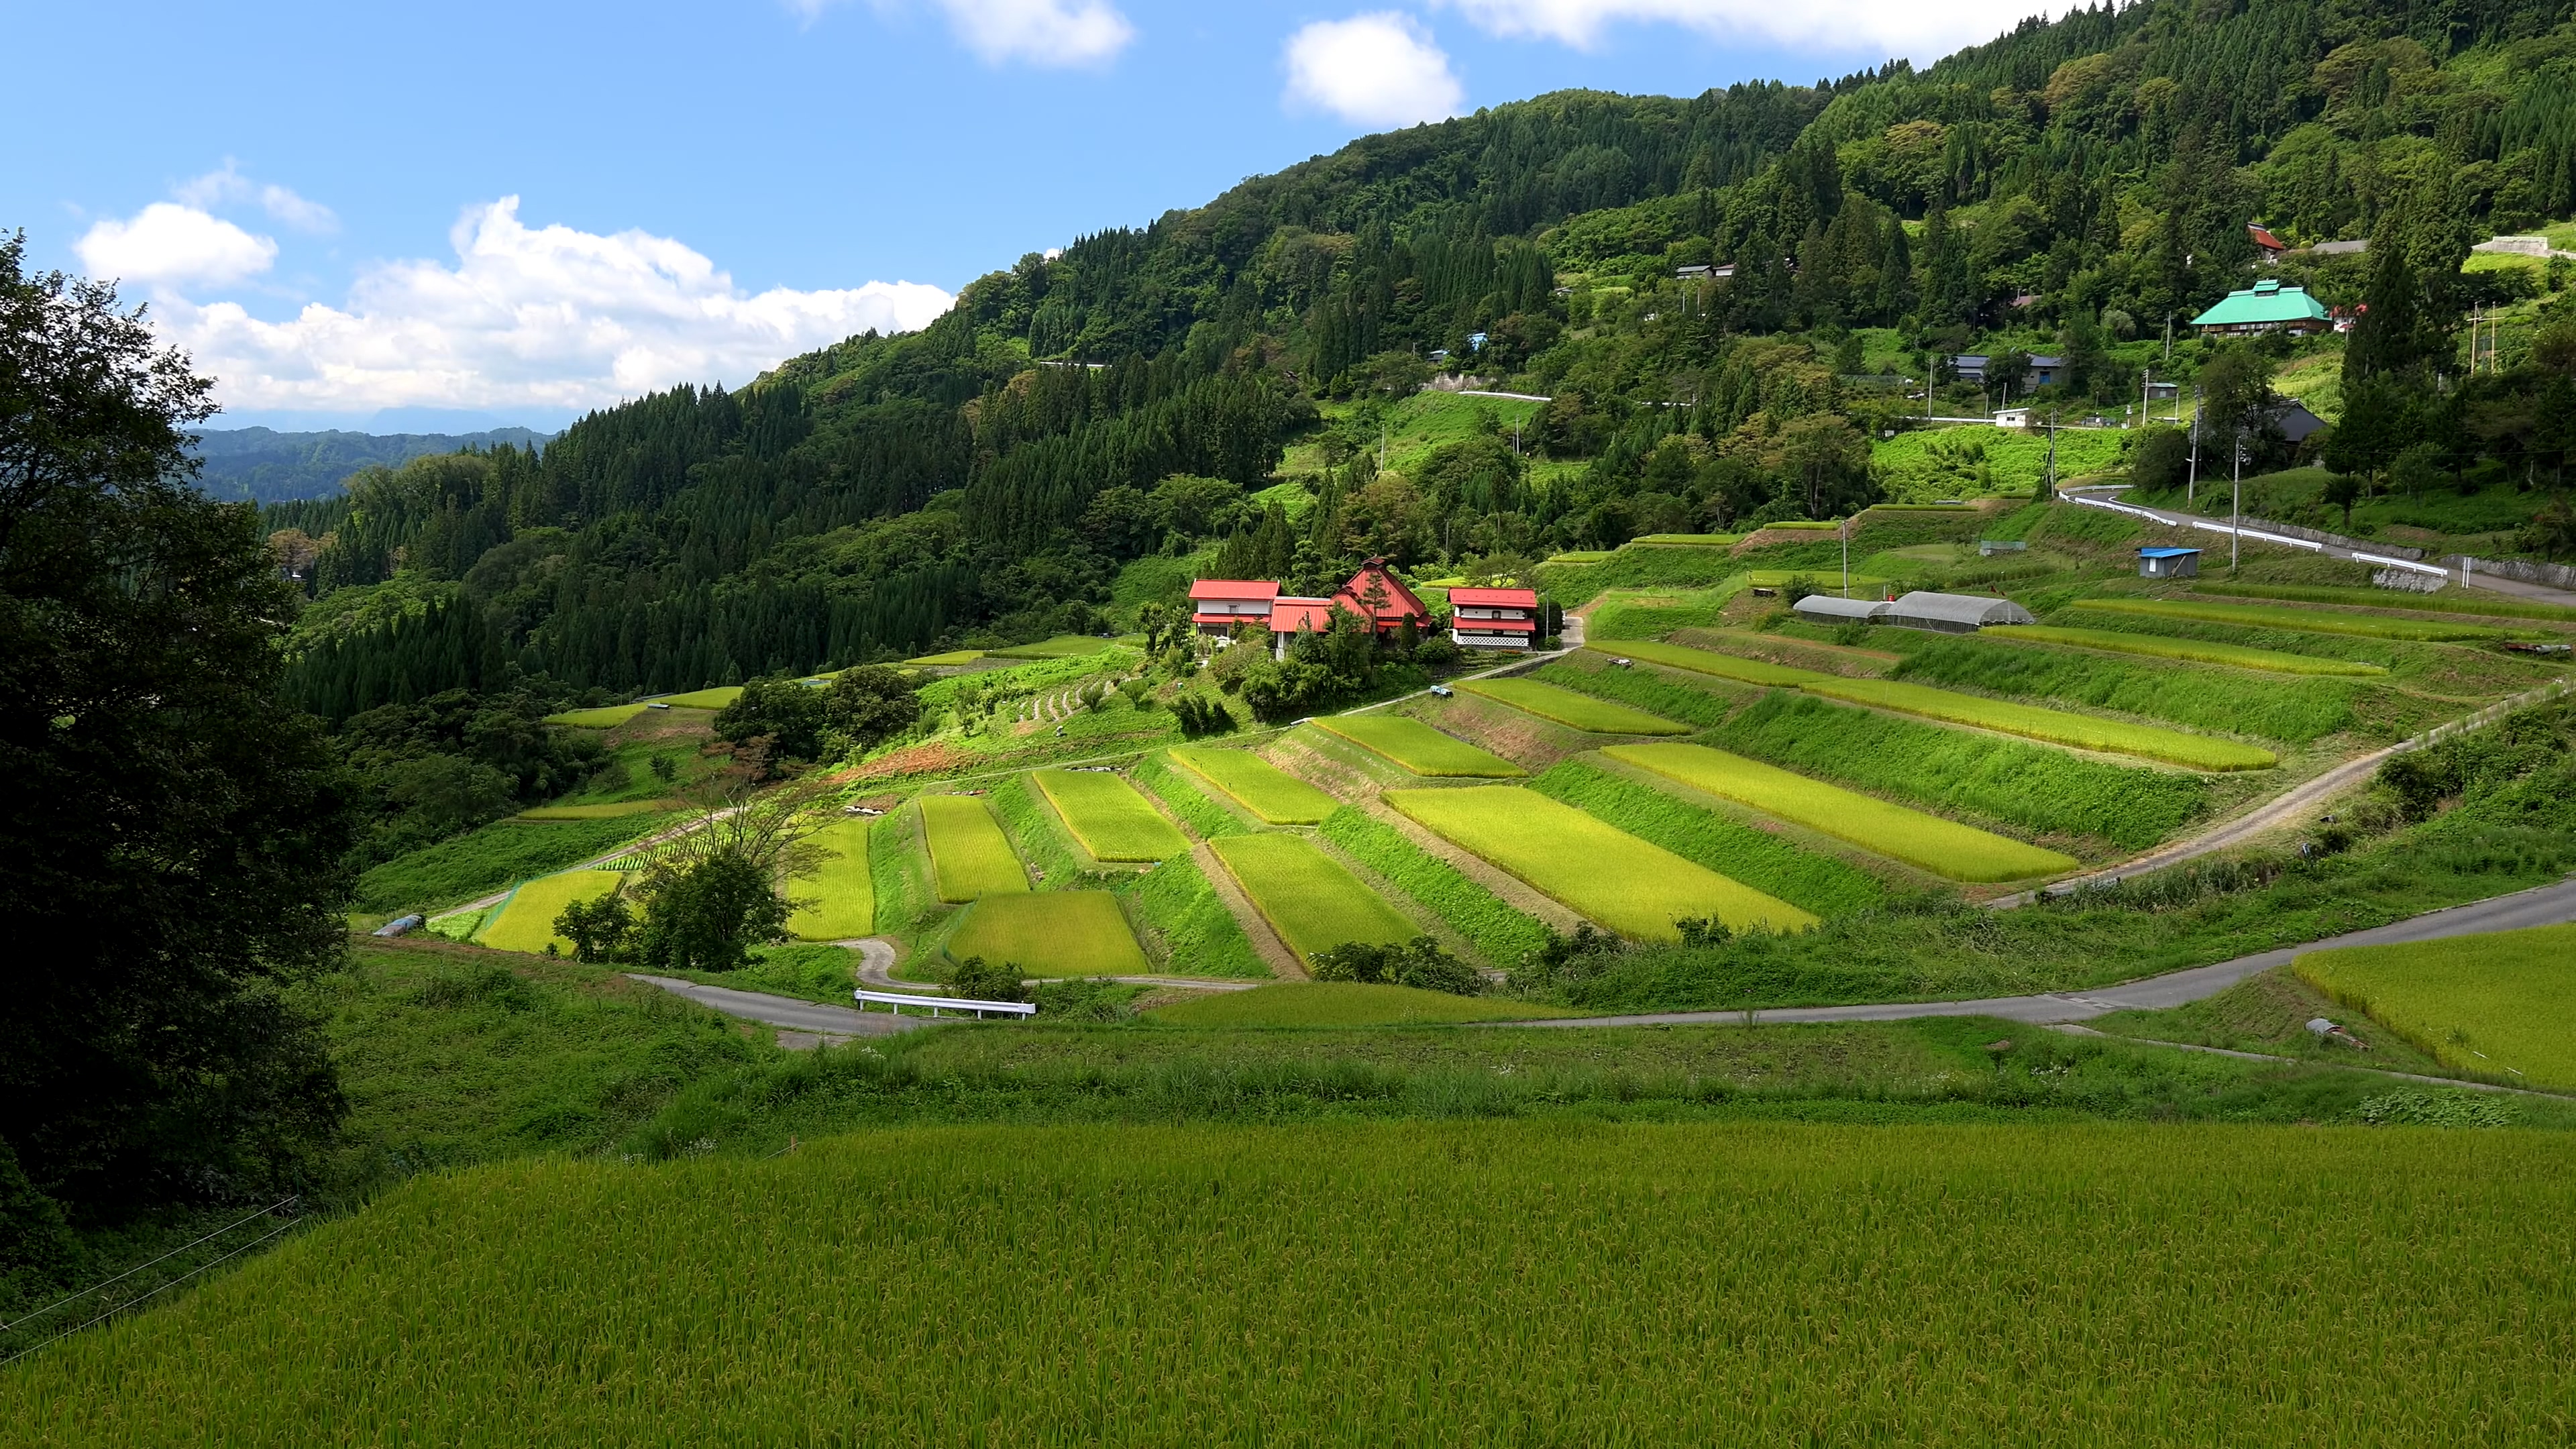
616, 811
1308, 897
2197, 651
1052, 933
526, 922
1411, 1283
1108, 815
843, 890
1188, 927
1601, 872
1709, 661
969, 855
606, 717
1341, 1003
2449, 601
2499, 1005
1259, 786
1582, 711
716, 698
1418, 747
490, 859
1062, 646
2303, 621
1943, 847
2057, 727
2194, 696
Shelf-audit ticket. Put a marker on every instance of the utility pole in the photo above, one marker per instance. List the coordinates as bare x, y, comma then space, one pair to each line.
2146, 397
1846, 532
2236, 512
2168, 339
2191, 485
2052, 469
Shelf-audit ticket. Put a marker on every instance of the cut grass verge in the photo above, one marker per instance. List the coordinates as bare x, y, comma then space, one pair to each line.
1500, 931
2449, 601
1943, 847
1418, 747
2302, 621
1342, 1003
1051, 933
1109, 816
526, 921
1600, 872
1709, 661
2497, 1005
2057, 727
1271, 793
1308, 897
2197, 651
1808, 879
969, 855
1581, 711
842, 890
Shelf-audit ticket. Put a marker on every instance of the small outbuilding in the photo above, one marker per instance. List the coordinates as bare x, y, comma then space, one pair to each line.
2168, 563
1828, 609
1953, 613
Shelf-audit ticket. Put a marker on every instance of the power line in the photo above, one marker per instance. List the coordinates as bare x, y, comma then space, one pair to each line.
173, 1283
139, 1267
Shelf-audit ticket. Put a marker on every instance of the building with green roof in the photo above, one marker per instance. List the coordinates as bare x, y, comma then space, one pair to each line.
2267, 306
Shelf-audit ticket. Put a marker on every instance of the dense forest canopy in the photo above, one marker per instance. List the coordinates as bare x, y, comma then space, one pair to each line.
2076, 186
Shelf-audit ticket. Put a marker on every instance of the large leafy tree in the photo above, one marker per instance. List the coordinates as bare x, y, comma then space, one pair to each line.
174, 831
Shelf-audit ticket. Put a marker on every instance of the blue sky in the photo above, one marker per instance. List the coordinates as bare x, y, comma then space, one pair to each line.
478, 212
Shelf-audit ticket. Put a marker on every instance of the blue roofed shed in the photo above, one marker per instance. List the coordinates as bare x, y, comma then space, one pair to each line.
2168, 563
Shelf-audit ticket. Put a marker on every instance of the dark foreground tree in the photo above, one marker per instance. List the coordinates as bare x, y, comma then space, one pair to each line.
173, 832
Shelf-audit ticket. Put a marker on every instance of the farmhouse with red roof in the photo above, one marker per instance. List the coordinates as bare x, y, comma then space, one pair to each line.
1218, 605
1375, 594
1493, 618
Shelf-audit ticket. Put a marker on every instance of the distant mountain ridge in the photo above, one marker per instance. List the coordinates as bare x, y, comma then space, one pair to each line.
262, 465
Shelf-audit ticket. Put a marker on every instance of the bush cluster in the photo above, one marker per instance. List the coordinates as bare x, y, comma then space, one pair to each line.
1419, 963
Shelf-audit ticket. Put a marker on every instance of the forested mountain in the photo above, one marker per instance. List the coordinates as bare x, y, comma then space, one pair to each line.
266, 466
2070, 187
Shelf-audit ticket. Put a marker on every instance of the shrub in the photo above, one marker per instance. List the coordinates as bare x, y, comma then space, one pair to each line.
1201, 714
974, 980
1419, 963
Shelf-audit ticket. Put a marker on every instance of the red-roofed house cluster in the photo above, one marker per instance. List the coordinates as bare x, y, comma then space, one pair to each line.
1485, 618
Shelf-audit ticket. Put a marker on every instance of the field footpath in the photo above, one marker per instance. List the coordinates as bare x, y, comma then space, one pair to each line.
2549, 905
2069, 1028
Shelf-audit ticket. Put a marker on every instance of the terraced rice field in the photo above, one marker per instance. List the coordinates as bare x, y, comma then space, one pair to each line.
1270, 793
526, 922
1566, 707
1109, 816
2303, 621
2502, 1005
1943, 847
2057, 727
2449, 601
617, 811
969, 854
1308, 897
1342, 1003
1709, 661
1451, 1282
2197, 651
843, 890
703, 698
1418, 747
1052, 933
1598, 871
606, 717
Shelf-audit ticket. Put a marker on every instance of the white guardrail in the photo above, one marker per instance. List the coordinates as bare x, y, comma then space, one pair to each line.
900, 999
2213, 527
2399, 563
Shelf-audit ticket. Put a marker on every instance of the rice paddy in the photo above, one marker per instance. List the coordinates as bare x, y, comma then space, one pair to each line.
617, 811
1597, 870
842, 891
1270, 793
1447, 1283
2057, 727
2197, 651
1112, 819
2500, 1005
703, 698
1943, 847
1418, 747
1709, 661
1051, 933
2302, 621
1566, 707
526, 921
1308, 897
1342, 1003
606, 717
969, 854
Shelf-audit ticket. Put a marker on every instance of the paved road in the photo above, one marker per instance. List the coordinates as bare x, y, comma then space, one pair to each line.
2548, 905
810, 1018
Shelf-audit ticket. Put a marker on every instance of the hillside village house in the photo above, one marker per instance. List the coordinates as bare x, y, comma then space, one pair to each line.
1493, 618
1373, 594
2267, 306
1218, 605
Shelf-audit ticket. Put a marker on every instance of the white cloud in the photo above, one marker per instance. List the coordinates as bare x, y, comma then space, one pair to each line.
227, 184
1909, 28
170, 245
1381, 69
1053, 33
545, 317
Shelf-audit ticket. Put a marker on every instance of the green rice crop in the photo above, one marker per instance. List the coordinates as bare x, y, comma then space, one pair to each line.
1804, 878
594, 812
969, 855
1062, 646
1455, 1283
2031, 786
2303, 621
1597, 870
1341, 1003
1684, 540
1709, 661
2448, 601
1188, 926
1109, 816
526, 922
2198, 651
716, 698
606, 717
1501, 933
1181, 791
1259, 786
1581, 711
1943, 847
1625, 614
2501, 1004
1645, 688
1418, 747
952, 657
898, 868
490, 859
2055, 726
2283, 709
843, 888
1051, 933
1307, 896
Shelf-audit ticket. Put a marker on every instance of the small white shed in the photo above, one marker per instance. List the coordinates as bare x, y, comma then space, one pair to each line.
1953, 613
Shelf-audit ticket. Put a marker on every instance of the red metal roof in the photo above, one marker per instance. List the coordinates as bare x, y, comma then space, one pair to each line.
1494, 598
1287, 615
2265, 239
1234, 589
1400, 601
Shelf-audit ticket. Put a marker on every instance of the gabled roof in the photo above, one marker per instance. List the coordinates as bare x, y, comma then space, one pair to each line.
1257, 589
2263, 238
2265, 301
1400, 601
1478, 598
1287, 616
